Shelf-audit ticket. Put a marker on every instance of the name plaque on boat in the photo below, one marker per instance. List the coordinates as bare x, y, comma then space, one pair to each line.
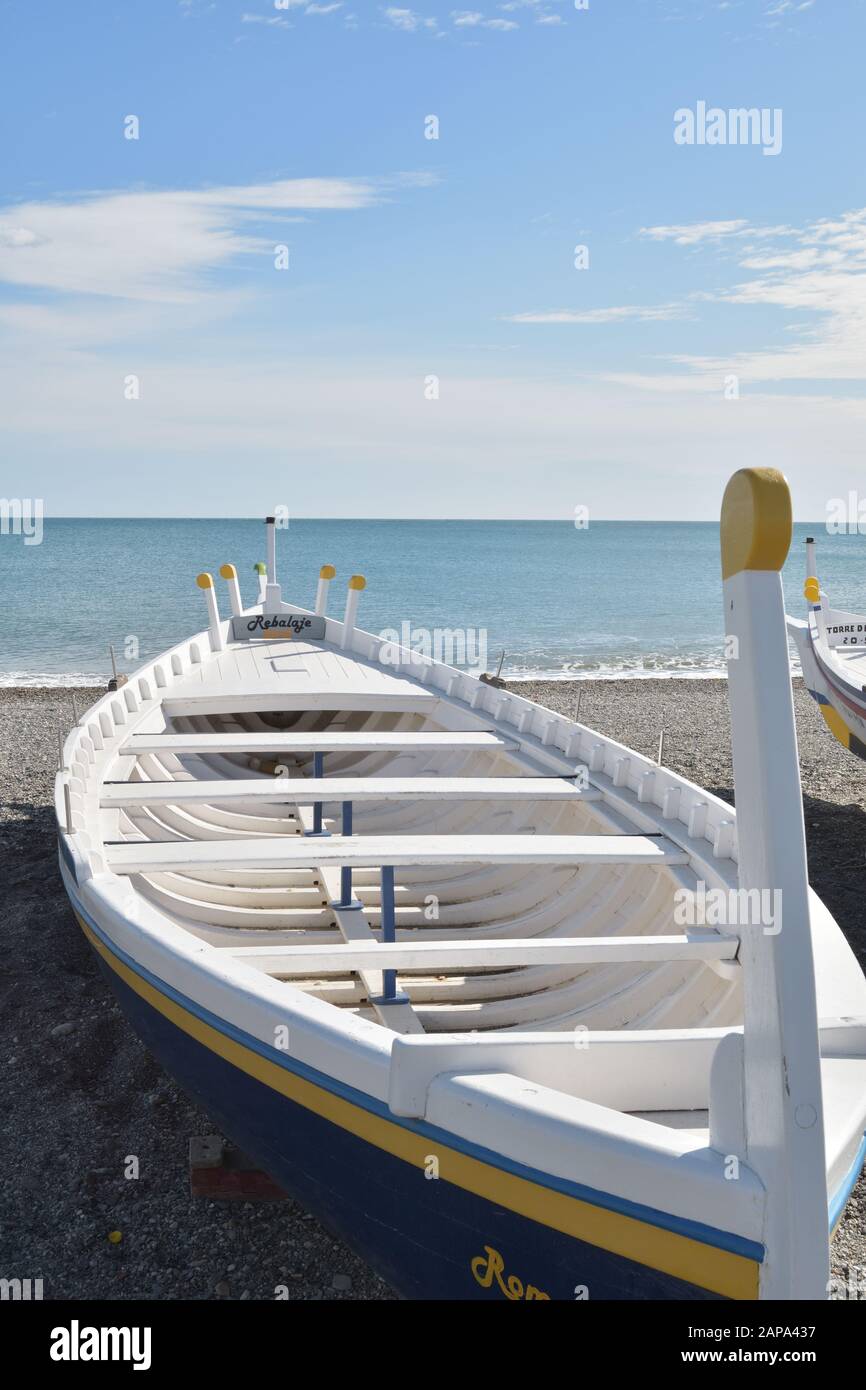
845, 629
275, 626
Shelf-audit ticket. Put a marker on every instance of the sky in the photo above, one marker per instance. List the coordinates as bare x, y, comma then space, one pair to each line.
282, 291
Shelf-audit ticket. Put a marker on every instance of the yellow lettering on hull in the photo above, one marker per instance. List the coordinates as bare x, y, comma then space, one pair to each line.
490, 1266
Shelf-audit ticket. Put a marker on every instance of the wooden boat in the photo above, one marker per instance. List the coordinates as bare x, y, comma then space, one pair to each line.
436, 958
832, 648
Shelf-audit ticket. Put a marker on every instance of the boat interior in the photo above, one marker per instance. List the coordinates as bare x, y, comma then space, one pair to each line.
405, 776
438, 858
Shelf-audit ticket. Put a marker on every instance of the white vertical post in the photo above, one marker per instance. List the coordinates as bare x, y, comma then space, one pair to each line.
353, 595
811, 572
230, 574
326, 574
205, 582
812, 590
273, 595
262, 573
271, 534
64, 775
781, 1073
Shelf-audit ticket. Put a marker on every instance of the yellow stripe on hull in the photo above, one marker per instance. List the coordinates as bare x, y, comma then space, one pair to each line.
836, 724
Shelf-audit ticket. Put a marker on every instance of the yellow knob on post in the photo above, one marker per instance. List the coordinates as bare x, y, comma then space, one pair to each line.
229, 573
205, 581
353, 595
326, 574
757, 521
812, 590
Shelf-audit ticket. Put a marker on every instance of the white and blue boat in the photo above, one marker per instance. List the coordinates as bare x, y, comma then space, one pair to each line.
831, 645
517, 1012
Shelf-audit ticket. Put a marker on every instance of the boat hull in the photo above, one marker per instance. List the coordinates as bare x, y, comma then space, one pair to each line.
363, 1173
841, 703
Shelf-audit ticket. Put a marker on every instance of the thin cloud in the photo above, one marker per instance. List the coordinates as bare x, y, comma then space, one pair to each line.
787, 7
815, 274
408, 20
690, 234
277, 21
273, 21
157, 246
474, 19
617, 314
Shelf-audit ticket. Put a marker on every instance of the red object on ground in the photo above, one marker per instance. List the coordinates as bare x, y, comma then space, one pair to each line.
220, 1172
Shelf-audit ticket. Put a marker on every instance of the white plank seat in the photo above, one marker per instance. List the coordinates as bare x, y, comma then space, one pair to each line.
328, 853
699, 945
312, 742
268, 697
331, 789
373, 851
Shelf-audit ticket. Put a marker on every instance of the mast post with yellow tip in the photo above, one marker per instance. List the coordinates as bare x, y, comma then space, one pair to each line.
779, 1070
326, 574
816, 601
353, 595
230, 575
205, 582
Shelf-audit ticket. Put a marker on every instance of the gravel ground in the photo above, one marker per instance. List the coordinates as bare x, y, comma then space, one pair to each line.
101, 1097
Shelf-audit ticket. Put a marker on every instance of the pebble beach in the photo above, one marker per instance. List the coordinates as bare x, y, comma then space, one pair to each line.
79, 1095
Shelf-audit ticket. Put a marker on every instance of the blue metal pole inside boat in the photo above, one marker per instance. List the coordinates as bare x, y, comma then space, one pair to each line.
389, 977
318, 772
347, 898
346, 871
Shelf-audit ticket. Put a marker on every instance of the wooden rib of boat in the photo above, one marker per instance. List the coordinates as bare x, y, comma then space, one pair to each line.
516, 1011
832, 648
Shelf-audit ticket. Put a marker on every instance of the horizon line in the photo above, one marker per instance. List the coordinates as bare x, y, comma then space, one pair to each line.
438, 520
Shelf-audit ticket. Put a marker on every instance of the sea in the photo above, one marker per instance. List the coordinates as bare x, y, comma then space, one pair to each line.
619, 599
